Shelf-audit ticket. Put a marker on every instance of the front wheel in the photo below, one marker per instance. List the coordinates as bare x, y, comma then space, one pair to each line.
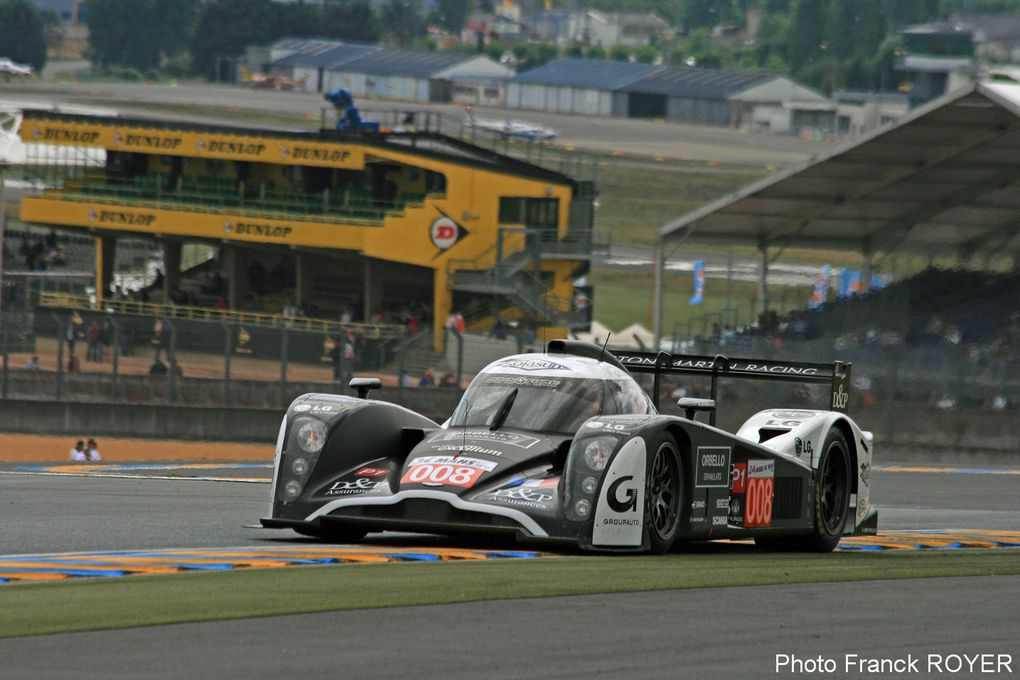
664, 495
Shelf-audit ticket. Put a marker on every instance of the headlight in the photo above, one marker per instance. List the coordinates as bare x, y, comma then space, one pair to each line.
582, 508
589, 484
312, 436
597, 452
292, 489
299, 466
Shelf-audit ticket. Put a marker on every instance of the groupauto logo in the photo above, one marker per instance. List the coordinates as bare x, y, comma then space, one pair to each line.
445, 232
629, 501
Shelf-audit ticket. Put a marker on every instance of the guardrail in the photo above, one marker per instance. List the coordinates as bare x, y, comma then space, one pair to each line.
86, 303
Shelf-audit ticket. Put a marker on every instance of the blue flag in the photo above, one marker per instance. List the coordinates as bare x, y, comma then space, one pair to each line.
821, 289
699, 283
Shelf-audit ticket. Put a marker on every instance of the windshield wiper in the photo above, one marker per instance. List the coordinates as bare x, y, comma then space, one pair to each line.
504, 410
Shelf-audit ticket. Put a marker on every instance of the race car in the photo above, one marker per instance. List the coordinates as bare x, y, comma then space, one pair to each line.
565, 447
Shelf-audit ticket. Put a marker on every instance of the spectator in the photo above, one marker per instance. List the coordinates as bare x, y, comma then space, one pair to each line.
405, 379
78, 453
73, 365
449, 380
93, 351
33, 363
92, 450
427, 380
161, 339
158, 368
74, 331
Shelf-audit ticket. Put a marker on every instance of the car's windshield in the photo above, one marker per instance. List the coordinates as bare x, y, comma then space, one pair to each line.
544, 404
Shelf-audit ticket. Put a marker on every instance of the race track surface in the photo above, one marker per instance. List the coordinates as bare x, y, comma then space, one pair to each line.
708, 633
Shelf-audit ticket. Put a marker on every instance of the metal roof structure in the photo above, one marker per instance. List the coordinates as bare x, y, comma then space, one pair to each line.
945, 179
596, 74
698, 83
326, 55
407, 63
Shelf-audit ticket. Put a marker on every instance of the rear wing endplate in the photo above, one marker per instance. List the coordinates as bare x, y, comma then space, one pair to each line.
836, 374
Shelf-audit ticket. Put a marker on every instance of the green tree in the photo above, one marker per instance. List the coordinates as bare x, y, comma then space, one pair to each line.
350, 20
402, 23
804, 42
646, 54
138, 33
595, 52
620, 53
453, 14
225, 28
22, 33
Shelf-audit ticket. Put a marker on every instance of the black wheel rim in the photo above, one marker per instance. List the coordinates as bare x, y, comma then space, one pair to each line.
665, 492
834, 489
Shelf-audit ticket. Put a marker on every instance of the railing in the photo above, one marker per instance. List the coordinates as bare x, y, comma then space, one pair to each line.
82, 302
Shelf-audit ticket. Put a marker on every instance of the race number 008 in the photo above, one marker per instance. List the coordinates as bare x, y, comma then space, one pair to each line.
452, 475
759, 502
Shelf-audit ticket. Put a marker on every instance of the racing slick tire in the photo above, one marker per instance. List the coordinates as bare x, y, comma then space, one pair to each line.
332, 534
664, 495
832, 501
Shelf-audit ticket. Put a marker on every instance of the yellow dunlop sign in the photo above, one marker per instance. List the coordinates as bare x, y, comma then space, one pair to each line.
194, 144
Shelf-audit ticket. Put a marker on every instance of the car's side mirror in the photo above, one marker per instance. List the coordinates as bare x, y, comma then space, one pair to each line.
690, 405
363, 385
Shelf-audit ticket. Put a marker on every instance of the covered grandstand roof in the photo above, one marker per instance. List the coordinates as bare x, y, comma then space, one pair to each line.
597, 74
699, 83
409, 63
946, 179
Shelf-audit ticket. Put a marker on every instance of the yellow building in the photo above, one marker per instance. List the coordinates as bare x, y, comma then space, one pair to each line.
363, 222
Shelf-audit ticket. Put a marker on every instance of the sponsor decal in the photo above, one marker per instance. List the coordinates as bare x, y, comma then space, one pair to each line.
802, 446
698, 505
548, 483
866, 474
760, 488
533, 365
607, 427
794, 415
698, 520
134, 219
231, 148
773, 368
619, 514
735, 507
722, 503
372, 472
519, 440
58, 135
712, 466
486, 465
738, 477
626, 504
357, 486
300, 153
314, 408
148, 141
266, 231
284, 151
467, 448
524, 493
862, 508
445, 233
719, 520
522, 381
840, 398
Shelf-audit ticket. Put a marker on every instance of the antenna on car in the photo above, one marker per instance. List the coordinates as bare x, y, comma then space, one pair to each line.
604, 345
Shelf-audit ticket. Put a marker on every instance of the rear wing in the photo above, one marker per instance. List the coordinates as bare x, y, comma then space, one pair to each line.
836, 374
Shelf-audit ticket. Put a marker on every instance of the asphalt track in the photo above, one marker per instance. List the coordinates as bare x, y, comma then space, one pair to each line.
707, 633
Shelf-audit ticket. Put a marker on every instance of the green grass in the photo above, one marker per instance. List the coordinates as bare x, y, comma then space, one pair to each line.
151, 600
623, 297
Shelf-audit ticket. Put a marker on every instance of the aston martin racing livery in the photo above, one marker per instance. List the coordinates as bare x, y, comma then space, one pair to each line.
565, 446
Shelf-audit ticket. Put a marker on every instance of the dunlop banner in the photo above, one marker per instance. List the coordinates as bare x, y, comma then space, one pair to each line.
193, 144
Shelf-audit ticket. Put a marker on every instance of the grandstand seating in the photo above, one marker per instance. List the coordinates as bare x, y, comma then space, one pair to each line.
348, 205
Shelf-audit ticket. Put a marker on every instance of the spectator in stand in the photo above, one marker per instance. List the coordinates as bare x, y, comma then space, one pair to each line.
78, 453
73, 365
427, 380
405, 379
222, 302
74, 331
93, 349
92, 450
449, 380
33, 363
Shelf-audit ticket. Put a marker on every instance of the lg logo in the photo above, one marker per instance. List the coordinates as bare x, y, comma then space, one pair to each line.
629, 501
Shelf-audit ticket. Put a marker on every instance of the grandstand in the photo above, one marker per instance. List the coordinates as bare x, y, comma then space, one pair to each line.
371, 227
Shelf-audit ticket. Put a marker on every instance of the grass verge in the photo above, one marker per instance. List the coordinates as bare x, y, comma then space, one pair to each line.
100, 604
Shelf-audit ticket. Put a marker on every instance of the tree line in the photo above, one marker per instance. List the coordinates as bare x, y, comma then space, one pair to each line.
828, 44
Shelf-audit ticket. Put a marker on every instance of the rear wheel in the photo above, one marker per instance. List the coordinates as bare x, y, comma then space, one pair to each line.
832, 501
334, 534
664, 494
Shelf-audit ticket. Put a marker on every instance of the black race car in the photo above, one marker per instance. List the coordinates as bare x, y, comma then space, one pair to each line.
566, 447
